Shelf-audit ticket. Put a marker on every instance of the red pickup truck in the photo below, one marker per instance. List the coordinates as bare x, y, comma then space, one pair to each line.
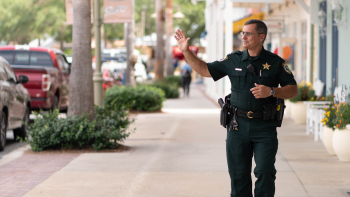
48, 72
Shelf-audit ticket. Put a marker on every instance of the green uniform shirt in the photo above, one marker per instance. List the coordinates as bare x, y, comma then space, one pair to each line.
269, 68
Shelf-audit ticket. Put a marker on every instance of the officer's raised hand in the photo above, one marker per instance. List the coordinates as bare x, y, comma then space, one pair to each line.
182, 41
260, 91
198, 65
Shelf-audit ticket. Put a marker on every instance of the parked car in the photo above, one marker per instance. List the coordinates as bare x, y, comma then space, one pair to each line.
48, 72
14, 103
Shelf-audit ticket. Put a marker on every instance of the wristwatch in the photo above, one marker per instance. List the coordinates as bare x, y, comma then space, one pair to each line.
272, 92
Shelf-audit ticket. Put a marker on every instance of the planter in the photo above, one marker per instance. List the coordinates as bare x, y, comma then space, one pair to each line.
341, 144
288, 108
298, 112
327, 139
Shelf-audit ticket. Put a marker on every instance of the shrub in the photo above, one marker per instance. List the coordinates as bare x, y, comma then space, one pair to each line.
109, 126
172, 79
141, 98
305, 92
342, 117
170, 90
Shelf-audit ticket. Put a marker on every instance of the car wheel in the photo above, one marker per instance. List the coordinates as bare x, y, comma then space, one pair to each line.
3, 130
55, 103
22, 132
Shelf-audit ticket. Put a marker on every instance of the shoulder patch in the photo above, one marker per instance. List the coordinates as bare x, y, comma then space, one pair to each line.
223, 59
286, 68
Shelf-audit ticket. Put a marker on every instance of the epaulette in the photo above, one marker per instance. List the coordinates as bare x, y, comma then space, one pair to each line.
236, 52
274, 55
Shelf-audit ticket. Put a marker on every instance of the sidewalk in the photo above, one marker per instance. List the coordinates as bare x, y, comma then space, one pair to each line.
181, 153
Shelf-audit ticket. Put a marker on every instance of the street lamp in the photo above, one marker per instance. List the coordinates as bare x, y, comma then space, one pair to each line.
178, 14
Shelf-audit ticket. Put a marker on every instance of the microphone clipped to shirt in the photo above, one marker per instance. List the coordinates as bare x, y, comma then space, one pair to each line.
251, 69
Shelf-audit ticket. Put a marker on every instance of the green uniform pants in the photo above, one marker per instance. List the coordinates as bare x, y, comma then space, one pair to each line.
253, 137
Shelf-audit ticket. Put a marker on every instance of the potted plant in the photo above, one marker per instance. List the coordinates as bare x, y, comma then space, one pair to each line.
341, 136
298, 109
328, 128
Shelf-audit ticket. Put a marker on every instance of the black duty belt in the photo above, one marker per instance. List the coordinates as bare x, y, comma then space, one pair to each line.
248, 114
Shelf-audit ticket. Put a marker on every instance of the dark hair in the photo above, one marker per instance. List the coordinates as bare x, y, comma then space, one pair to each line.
261, 27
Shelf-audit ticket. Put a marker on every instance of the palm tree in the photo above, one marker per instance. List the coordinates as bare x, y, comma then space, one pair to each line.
81, 99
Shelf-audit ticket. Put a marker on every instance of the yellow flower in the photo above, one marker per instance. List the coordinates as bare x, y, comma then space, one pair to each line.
312, 98
328, 114
324, 123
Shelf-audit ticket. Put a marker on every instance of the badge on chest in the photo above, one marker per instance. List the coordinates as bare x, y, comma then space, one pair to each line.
266, 66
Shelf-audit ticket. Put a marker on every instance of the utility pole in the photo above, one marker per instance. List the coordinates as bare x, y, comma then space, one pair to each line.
159, 51
129, 37
169, 32
97, 77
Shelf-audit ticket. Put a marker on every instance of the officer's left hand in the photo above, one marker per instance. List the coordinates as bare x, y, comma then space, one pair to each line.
260, 91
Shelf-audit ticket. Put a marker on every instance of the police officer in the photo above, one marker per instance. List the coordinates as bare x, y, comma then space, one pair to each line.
249, 93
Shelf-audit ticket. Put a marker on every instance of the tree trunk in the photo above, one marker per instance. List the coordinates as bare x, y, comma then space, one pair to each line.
62, 30
159, 52
81, 100
169, 33
129, 37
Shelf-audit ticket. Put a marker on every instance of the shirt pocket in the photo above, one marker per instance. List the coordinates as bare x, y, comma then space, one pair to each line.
238, 79
266, 79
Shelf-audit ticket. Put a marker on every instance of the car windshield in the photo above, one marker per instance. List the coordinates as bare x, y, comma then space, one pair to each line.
113, 57
27, 58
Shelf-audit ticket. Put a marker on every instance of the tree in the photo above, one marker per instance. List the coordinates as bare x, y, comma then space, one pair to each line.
159, 52
193, 24
36, 18
81, 99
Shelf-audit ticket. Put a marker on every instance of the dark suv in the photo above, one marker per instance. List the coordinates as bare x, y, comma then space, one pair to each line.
14, 103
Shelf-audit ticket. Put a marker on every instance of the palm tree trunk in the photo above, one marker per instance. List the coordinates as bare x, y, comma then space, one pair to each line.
169, 32
129, 32
81, 100
159, 52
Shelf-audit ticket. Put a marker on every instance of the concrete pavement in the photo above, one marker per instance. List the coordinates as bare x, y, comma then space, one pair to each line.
181, 153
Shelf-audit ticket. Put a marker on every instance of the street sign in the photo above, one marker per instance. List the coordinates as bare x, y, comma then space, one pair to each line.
275, 26
117, 11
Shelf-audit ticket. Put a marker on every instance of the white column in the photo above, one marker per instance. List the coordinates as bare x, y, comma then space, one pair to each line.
228, 27
228, 39
308, 50
220, 45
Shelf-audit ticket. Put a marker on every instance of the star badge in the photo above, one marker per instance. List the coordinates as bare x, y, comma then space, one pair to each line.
266, 66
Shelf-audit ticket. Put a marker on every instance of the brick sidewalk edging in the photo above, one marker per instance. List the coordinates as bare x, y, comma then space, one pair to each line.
24, 173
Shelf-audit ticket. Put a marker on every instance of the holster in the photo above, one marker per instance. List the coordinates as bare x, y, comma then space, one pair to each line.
280, 112
225, 113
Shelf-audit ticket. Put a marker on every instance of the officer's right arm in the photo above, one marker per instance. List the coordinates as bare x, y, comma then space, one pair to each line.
197, 64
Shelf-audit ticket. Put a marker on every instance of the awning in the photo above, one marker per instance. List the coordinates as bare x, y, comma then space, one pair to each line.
238, 25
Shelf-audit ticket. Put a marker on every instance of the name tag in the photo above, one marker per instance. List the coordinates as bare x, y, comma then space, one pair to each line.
238, 69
